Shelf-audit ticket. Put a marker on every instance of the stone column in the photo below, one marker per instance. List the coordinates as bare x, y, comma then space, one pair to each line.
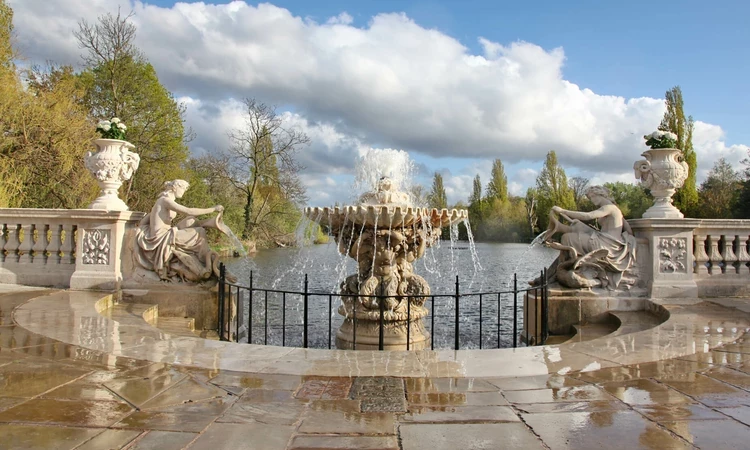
668, 265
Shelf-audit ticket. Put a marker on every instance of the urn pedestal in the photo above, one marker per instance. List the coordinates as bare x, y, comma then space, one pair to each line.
663, 172
112, 164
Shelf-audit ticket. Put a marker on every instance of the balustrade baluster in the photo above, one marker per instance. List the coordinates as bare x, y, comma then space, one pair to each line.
700, 255
742, 254
728, 254
39, 255
24, 249
67, 252
12, 243
714, 256
54, 245
2, 242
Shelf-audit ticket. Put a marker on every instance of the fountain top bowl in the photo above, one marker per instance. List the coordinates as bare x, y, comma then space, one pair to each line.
385, 216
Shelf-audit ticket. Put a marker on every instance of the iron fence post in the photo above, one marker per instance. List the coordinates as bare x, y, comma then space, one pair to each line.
304, 319
515, 310
221, 301
250, 312
381, 301
545, 307
457, 331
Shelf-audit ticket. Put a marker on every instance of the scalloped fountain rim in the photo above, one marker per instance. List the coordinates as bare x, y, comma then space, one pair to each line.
385, 216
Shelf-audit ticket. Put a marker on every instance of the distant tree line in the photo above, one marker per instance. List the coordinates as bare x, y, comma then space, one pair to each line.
495, 215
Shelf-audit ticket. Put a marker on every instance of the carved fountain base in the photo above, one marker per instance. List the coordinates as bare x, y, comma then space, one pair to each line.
394, 335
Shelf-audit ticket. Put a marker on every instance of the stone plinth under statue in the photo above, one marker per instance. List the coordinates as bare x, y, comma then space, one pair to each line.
385, 235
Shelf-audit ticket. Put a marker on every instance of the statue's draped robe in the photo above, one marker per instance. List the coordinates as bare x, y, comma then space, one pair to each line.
171, 251
620, 251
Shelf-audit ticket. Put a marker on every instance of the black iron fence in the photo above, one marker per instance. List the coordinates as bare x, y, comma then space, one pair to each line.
459, 320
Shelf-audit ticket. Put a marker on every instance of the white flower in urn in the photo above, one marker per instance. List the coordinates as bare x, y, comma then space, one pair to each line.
112, 129
661, 139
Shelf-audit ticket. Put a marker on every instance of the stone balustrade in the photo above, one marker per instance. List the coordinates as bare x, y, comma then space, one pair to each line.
695, 257
720, 252
80, 249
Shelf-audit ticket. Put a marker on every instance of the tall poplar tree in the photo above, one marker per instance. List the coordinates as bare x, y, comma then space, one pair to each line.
497, 188
437, 198
552, 189
674, 120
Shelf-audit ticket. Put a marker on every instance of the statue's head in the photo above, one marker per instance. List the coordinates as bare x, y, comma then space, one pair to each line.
178, 187
599, 191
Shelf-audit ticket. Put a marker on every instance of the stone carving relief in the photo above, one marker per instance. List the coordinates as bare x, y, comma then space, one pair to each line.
95, 247
112, 165
673, 255
591, 257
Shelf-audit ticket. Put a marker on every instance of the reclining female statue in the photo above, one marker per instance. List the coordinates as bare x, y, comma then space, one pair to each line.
181, 250
607, 252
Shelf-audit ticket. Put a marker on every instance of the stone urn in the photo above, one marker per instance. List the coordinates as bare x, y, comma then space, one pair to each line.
663, 172
112, 164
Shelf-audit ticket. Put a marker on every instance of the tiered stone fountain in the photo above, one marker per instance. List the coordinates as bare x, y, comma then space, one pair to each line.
385, 234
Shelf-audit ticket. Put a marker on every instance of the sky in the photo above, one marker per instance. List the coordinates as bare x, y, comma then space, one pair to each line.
455, 84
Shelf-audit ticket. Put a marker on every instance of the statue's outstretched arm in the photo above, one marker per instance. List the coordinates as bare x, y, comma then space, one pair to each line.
176, 207
583, 216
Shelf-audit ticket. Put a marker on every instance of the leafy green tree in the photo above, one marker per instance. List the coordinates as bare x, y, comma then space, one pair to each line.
530, 205
674, 120
476, 207
120, 82
497, 188
6, 34
720, 192
632, 199
437, 198
552, 189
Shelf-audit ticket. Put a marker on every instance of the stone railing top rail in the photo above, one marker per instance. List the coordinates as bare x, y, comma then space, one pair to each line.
36, 215
385, 216
704, 226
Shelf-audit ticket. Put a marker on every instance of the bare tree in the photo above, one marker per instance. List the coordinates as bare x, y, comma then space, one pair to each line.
260, 164
109, 45
579, 186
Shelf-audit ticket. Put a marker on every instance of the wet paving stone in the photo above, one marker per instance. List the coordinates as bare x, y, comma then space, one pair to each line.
141, 389
712, 434
162, 440
736, 378
379, 394
256, 381
414, 385
248, 410
567, 394
345, 417
598, 430
245, 436
594, 406
28, 378
535, 382
485, 436
35, 437
645, 392
165, 421
109, 439
460, 414
333, 442
674, 412
457, 399
63, 412
710, 392
741, 413
665, 370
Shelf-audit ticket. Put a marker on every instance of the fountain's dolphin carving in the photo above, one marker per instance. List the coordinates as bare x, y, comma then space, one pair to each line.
590, 257
178, 252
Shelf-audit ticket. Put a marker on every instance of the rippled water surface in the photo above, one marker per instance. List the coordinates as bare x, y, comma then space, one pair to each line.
490, 271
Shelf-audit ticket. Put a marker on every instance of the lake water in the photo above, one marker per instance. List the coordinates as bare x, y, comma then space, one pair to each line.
490, 270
